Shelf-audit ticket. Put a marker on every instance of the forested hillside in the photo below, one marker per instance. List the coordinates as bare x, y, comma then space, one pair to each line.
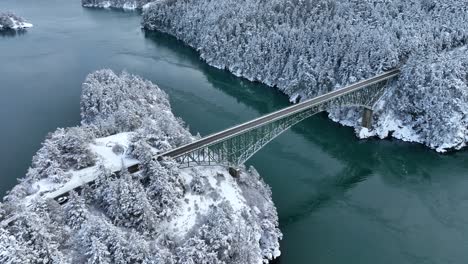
123, 4
161, 214
306, 48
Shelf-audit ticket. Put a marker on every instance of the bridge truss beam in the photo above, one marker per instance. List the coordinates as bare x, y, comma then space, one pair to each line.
237, 149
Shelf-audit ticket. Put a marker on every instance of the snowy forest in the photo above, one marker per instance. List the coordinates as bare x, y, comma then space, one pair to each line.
10, 21
123, 4
306, 48
161, 214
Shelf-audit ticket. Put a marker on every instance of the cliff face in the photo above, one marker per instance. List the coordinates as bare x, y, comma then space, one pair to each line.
161, 214
307, 48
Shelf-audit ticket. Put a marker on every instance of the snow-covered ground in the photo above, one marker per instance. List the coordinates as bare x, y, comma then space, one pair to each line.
12, 21
223, 187
168, 214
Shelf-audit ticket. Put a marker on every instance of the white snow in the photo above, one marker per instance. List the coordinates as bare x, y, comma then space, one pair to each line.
400, 131
103, 148
365, 133
106, 4
146, 6
294, 97
386, 125
130, 6
22, 25
194, 204
79, 178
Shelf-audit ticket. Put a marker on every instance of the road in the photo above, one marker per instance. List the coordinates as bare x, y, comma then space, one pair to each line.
233, 131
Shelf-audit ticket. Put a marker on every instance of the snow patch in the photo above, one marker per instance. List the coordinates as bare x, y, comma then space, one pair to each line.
195, 205
22, 25
106, 4
400, 131
364, 132
114, 161
130, 6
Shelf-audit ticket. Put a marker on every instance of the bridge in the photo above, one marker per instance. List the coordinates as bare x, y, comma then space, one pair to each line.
234, 146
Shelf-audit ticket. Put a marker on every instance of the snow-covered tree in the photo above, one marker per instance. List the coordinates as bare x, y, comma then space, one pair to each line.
165, 188
63, 150
125, 202
33, 238
99, 239
117, 103
75, 211
98, 253
12, 250
213, 239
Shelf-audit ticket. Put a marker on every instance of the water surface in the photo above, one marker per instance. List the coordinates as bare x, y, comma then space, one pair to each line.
340, 200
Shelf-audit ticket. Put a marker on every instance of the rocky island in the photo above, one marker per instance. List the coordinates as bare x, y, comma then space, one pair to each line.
10, 21
160, 214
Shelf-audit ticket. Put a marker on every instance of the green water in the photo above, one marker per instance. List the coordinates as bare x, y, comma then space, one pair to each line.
340, 200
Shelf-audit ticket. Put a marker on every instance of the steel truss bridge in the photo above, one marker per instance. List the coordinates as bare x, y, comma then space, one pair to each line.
234, 146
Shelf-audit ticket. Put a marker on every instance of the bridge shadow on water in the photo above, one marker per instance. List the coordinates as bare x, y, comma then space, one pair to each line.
399, 164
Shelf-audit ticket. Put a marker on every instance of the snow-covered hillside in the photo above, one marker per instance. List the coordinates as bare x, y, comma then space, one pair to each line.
306, 48
161, 214
121, 4
12, 21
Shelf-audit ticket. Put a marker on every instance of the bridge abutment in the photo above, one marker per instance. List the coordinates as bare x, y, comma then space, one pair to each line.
367, 118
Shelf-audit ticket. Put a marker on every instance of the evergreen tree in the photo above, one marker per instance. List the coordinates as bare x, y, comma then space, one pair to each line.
75, 211
98, 253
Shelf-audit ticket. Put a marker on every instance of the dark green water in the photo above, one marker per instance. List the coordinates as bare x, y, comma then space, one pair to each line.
340, 200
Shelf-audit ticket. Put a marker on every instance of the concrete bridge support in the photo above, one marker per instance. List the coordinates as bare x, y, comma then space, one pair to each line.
367, 118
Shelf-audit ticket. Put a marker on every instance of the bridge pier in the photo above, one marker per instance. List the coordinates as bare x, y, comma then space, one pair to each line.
367, 118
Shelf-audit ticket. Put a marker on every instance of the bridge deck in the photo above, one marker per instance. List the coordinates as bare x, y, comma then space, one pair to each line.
233, 131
